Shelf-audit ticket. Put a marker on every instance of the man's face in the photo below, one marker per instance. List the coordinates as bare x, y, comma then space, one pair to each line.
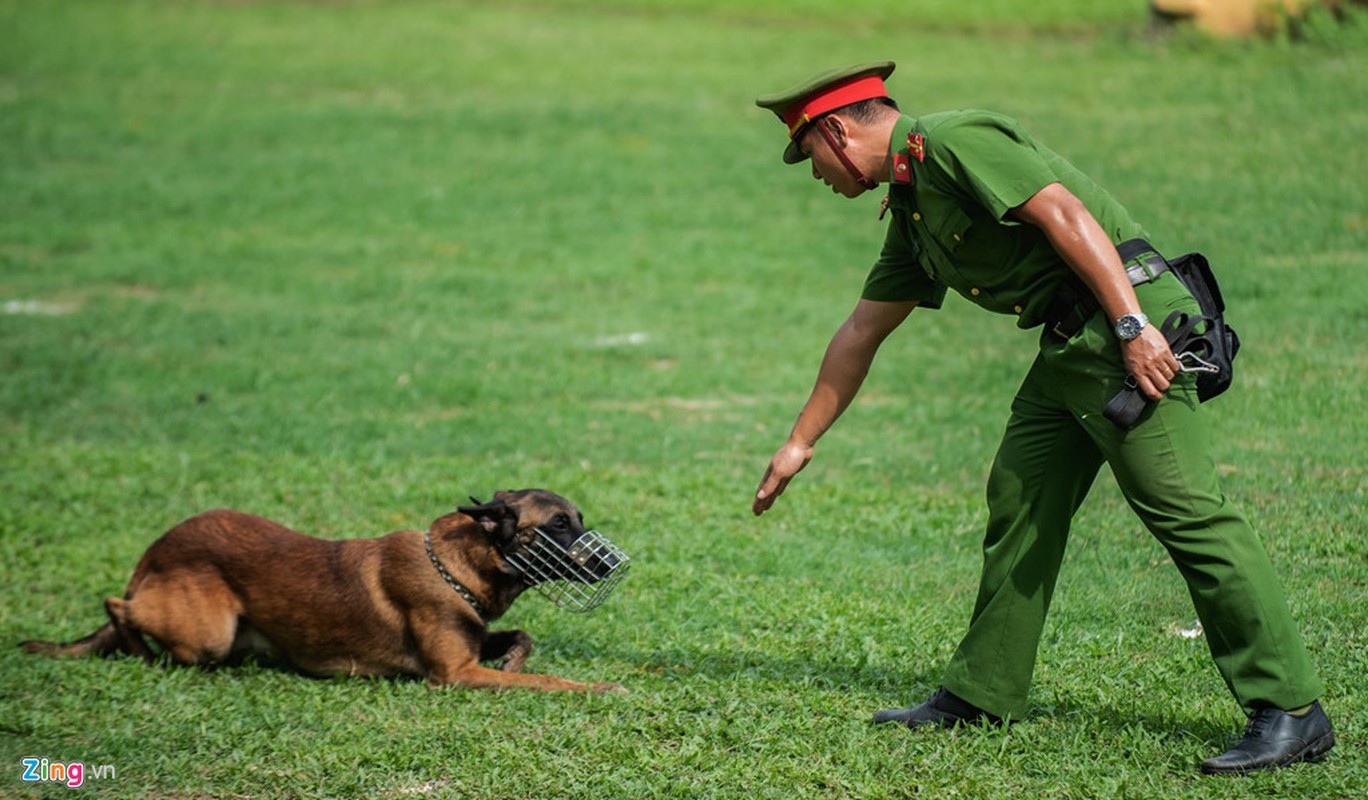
826, 167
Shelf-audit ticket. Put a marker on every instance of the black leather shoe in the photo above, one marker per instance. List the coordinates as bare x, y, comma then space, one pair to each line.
1275, 738
943, 709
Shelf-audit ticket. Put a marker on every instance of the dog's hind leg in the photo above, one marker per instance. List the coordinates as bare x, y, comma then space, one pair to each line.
509, 648
192, 616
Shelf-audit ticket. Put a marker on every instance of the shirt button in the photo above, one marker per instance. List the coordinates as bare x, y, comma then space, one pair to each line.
1017, 309
916, 215
974, 291
957, 237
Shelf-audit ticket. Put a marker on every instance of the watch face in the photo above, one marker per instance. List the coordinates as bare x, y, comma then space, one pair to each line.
1128, 326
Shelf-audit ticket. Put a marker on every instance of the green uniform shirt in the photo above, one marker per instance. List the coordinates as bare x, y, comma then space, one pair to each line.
949, 228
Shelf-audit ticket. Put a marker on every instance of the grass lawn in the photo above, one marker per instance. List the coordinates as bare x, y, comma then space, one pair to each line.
345, 264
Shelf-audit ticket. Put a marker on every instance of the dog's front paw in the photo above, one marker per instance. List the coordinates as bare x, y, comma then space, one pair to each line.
609, 687
514, 662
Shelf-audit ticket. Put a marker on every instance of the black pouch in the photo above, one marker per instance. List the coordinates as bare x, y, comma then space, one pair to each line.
1204, 344
1216, 342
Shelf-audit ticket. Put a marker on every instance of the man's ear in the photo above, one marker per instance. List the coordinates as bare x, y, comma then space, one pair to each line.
498, 518
837, 125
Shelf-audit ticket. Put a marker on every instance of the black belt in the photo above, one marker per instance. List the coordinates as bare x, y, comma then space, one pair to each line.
1145, 269
1074, 304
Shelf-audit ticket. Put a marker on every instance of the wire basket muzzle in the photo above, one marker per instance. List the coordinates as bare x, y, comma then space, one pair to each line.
577, 578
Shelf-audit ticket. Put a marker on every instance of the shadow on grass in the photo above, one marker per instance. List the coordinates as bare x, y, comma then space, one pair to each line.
825, 669
884, 686
895, 686
1117, 719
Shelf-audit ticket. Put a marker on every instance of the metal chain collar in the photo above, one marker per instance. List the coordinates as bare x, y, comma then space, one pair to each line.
452, 582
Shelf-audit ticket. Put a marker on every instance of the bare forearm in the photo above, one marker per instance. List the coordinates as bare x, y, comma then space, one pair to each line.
844, 368
843, 371
1088, 251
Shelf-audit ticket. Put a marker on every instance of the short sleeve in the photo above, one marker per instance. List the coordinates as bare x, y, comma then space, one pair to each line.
991, 158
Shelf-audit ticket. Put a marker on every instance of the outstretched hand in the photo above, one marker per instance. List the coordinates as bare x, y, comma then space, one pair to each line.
789, 461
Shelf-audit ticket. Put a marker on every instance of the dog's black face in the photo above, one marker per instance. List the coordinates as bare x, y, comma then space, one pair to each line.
512, 514
553, 514
518, 520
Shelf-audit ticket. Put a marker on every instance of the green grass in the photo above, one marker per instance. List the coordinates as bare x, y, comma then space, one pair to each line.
345, 264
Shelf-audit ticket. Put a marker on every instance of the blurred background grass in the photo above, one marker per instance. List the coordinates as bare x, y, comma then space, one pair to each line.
344, 264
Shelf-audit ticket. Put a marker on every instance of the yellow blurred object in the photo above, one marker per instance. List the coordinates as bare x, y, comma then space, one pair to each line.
1234, 18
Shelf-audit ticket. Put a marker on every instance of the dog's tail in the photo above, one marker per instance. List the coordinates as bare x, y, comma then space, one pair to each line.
102, 642
119, 635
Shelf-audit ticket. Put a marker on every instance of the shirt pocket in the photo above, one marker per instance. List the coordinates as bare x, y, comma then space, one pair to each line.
954, 226
951, 227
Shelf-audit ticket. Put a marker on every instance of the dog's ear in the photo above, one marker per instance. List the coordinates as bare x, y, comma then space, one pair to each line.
498, 518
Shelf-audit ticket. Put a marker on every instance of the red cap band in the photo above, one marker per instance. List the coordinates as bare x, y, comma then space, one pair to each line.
832, 98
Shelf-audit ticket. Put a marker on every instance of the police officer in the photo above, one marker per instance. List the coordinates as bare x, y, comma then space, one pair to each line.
977, 205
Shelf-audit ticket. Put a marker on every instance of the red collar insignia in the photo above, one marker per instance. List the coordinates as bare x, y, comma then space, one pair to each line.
902, 169
902, 164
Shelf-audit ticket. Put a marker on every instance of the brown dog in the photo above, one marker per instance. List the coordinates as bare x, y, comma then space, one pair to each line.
223, 583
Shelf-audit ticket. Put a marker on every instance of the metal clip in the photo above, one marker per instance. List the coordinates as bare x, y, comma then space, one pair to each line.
1189, 361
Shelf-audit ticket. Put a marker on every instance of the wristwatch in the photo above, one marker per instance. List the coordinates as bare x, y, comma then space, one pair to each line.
1128, 326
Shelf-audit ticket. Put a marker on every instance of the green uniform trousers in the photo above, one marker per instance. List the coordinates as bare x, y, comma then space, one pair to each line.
1055, 443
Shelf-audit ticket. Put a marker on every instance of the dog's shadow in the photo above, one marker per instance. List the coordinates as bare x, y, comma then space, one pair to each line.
246, 664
